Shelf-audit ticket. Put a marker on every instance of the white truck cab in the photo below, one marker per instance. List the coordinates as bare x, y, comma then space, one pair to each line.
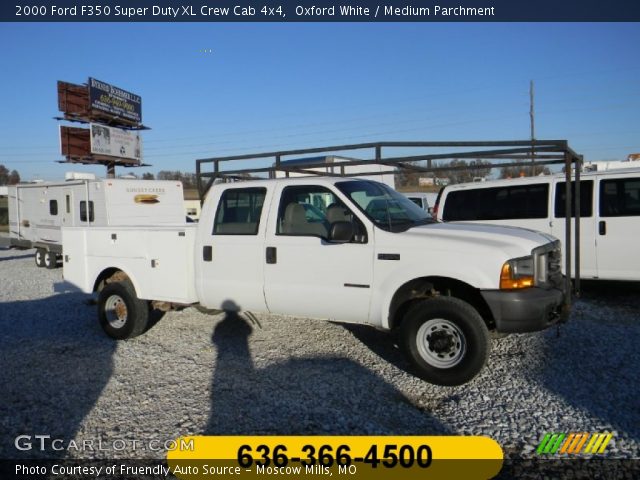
342, 249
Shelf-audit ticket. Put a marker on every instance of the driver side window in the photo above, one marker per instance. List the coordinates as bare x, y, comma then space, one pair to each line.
310, 210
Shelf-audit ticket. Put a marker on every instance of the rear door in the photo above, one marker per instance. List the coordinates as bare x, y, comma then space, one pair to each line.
231, 257
618, 227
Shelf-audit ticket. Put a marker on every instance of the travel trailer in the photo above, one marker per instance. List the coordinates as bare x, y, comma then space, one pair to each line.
37, 211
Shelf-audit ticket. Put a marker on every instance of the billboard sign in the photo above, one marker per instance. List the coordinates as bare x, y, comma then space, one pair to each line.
74, 142
115, 142
114, 101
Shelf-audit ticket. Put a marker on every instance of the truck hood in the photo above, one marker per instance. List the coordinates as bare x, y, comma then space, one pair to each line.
513, 240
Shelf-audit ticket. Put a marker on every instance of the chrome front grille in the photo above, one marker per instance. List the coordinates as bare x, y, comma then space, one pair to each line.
554, 267
548, 265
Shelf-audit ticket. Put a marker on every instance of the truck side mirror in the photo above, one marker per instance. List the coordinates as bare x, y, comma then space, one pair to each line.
341, 232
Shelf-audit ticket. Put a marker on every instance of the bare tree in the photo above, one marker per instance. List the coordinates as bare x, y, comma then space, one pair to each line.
14, 177
7, 178
4, 175
462, 172
524, 171
188, 179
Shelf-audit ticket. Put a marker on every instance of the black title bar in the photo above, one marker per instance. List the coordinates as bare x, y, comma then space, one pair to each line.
321, 11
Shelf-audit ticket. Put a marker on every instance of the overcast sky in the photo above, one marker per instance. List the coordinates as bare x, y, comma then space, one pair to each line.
220, 89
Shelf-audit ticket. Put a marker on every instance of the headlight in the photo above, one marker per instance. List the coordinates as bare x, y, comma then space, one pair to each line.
517, 273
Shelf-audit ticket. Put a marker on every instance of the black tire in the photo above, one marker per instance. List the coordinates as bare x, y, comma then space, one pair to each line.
445, 339
121, 313
50, 260
39, 257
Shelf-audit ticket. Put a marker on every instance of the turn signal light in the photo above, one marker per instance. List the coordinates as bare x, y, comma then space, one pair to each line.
507, 282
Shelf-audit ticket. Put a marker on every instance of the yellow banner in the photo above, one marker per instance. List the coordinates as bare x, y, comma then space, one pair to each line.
349, 457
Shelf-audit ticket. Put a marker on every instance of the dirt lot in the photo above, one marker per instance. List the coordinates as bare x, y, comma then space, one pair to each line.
198, 374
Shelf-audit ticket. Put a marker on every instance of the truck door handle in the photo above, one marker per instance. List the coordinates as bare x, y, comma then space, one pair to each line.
207, 253
602, 227
272, 256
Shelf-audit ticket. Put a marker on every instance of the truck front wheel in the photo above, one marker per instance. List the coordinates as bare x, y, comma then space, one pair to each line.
121, 313
446, 340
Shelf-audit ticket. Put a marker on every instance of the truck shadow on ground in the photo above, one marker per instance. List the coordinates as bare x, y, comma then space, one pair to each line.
382, 343
53, 369
603, 358
309, 396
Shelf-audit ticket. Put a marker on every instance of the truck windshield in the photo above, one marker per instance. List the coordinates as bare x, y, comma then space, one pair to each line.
385, 207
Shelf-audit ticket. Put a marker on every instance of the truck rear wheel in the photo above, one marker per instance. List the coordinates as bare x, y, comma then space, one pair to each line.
446, 340
39, 256
50, 260
121, 313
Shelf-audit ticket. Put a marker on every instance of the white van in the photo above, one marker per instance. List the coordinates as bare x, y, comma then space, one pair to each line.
609, 211
425, 200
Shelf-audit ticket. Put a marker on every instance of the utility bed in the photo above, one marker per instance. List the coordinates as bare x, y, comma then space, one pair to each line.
158, 259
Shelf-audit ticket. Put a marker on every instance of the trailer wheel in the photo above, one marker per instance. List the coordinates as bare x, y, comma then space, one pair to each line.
121, 313
39, 256
446, 340
50, 260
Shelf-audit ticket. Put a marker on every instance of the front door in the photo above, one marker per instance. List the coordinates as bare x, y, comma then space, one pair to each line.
307, 274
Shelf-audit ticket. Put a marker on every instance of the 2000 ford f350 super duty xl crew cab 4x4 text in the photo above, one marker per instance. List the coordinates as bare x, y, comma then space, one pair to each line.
342, 249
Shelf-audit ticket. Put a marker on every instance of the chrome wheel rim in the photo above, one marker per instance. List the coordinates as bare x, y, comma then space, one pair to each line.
441, 343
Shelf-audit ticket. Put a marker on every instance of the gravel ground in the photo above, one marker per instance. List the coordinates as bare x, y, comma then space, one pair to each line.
200, 374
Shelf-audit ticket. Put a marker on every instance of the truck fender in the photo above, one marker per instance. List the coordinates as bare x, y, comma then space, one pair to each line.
109, 272
381, 303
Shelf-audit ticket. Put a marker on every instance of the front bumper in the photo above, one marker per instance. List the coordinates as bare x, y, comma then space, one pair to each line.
527, 310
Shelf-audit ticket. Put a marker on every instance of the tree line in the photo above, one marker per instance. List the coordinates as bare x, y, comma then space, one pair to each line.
461, 171
455, 171
8, 177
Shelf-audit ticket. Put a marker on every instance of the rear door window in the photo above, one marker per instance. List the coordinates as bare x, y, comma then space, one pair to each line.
239, 211
620, 197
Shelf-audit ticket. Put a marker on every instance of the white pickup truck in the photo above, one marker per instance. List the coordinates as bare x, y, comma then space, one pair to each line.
332, 248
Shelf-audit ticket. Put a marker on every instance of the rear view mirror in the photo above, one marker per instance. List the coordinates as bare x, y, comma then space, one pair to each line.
341, 232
